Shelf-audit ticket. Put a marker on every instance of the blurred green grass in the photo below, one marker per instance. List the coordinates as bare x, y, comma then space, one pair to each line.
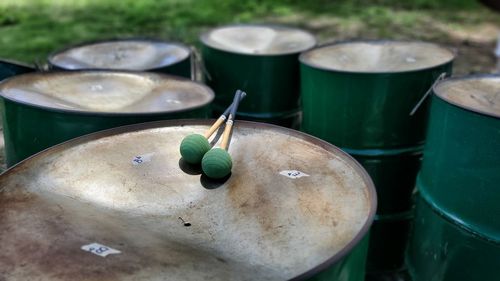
31, 29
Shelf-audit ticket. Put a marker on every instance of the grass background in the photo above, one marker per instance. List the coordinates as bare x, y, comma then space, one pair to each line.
31, 29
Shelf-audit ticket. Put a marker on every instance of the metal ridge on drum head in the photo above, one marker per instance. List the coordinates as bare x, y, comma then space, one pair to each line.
477, 93
54, 158
259, 40
103, 92
121, 54
377, 56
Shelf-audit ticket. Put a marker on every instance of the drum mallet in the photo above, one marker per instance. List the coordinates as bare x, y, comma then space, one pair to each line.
194, 146
217, 162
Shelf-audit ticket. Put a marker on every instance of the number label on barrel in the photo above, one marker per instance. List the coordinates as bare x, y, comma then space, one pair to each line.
100, 250
141, 159
293, 174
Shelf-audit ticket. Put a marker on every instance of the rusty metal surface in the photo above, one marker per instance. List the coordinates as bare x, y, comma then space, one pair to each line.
171, 223
107, 91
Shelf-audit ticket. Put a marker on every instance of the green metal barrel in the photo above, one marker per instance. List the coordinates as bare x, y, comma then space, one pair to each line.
349, 268
10, 68
358, 96
43, 109
260, 60
461, 168
388, 238
134, 54
294, 208
459, 183
442, 249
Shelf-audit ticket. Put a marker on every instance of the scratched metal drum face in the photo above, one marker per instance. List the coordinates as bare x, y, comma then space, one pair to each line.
121, 54
259, 39
477, 93
377, 56
107, 92
121, 205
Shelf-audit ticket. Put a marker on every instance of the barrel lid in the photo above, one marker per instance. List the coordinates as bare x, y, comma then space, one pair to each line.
106, 92
126, 188
377, 56
126, 54
478, 93
259, 39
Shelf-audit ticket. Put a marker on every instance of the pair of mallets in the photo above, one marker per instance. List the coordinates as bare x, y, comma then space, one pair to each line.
216, 163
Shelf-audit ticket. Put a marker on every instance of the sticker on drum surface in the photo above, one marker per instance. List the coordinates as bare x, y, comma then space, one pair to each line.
293, 174
410, 59
99, 249
96, 87
141, 159
173, 101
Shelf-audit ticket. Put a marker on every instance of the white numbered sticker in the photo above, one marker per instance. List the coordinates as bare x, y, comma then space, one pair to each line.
293, 174
100, 250
96, 88
410, 59
173, 101
141, 159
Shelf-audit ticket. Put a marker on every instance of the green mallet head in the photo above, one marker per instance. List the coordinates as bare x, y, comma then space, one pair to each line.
216, 163
193, 147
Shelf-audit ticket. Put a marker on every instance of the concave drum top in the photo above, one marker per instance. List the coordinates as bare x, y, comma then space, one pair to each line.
107, 92
126, 188
259, 39
129, 54
478, 93
377, 56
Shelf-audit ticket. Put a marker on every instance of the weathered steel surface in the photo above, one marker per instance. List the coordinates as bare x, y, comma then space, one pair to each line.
358, 96
126, 54
457, 230
460, 173
43, 109
169, 221
260, 60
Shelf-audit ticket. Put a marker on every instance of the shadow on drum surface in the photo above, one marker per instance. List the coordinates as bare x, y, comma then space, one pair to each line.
205, 181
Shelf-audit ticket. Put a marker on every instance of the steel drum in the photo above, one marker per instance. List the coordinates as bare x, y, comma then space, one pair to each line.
358, 96
261, 60
43, 109
293, 207
457, 231
10, 68
126, 54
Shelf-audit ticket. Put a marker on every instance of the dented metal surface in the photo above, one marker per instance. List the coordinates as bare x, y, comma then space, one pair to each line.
126, 54
261, 60
169, 221
377, 56
111, 92
254, 39
44, 109
480, 93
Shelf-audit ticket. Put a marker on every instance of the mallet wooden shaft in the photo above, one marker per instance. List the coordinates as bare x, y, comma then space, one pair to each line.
227, 133
215, 126
222, 118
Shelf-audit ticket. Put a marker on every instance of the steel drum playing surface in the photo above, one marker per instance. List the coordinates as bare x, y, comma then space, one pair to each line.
124, 188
